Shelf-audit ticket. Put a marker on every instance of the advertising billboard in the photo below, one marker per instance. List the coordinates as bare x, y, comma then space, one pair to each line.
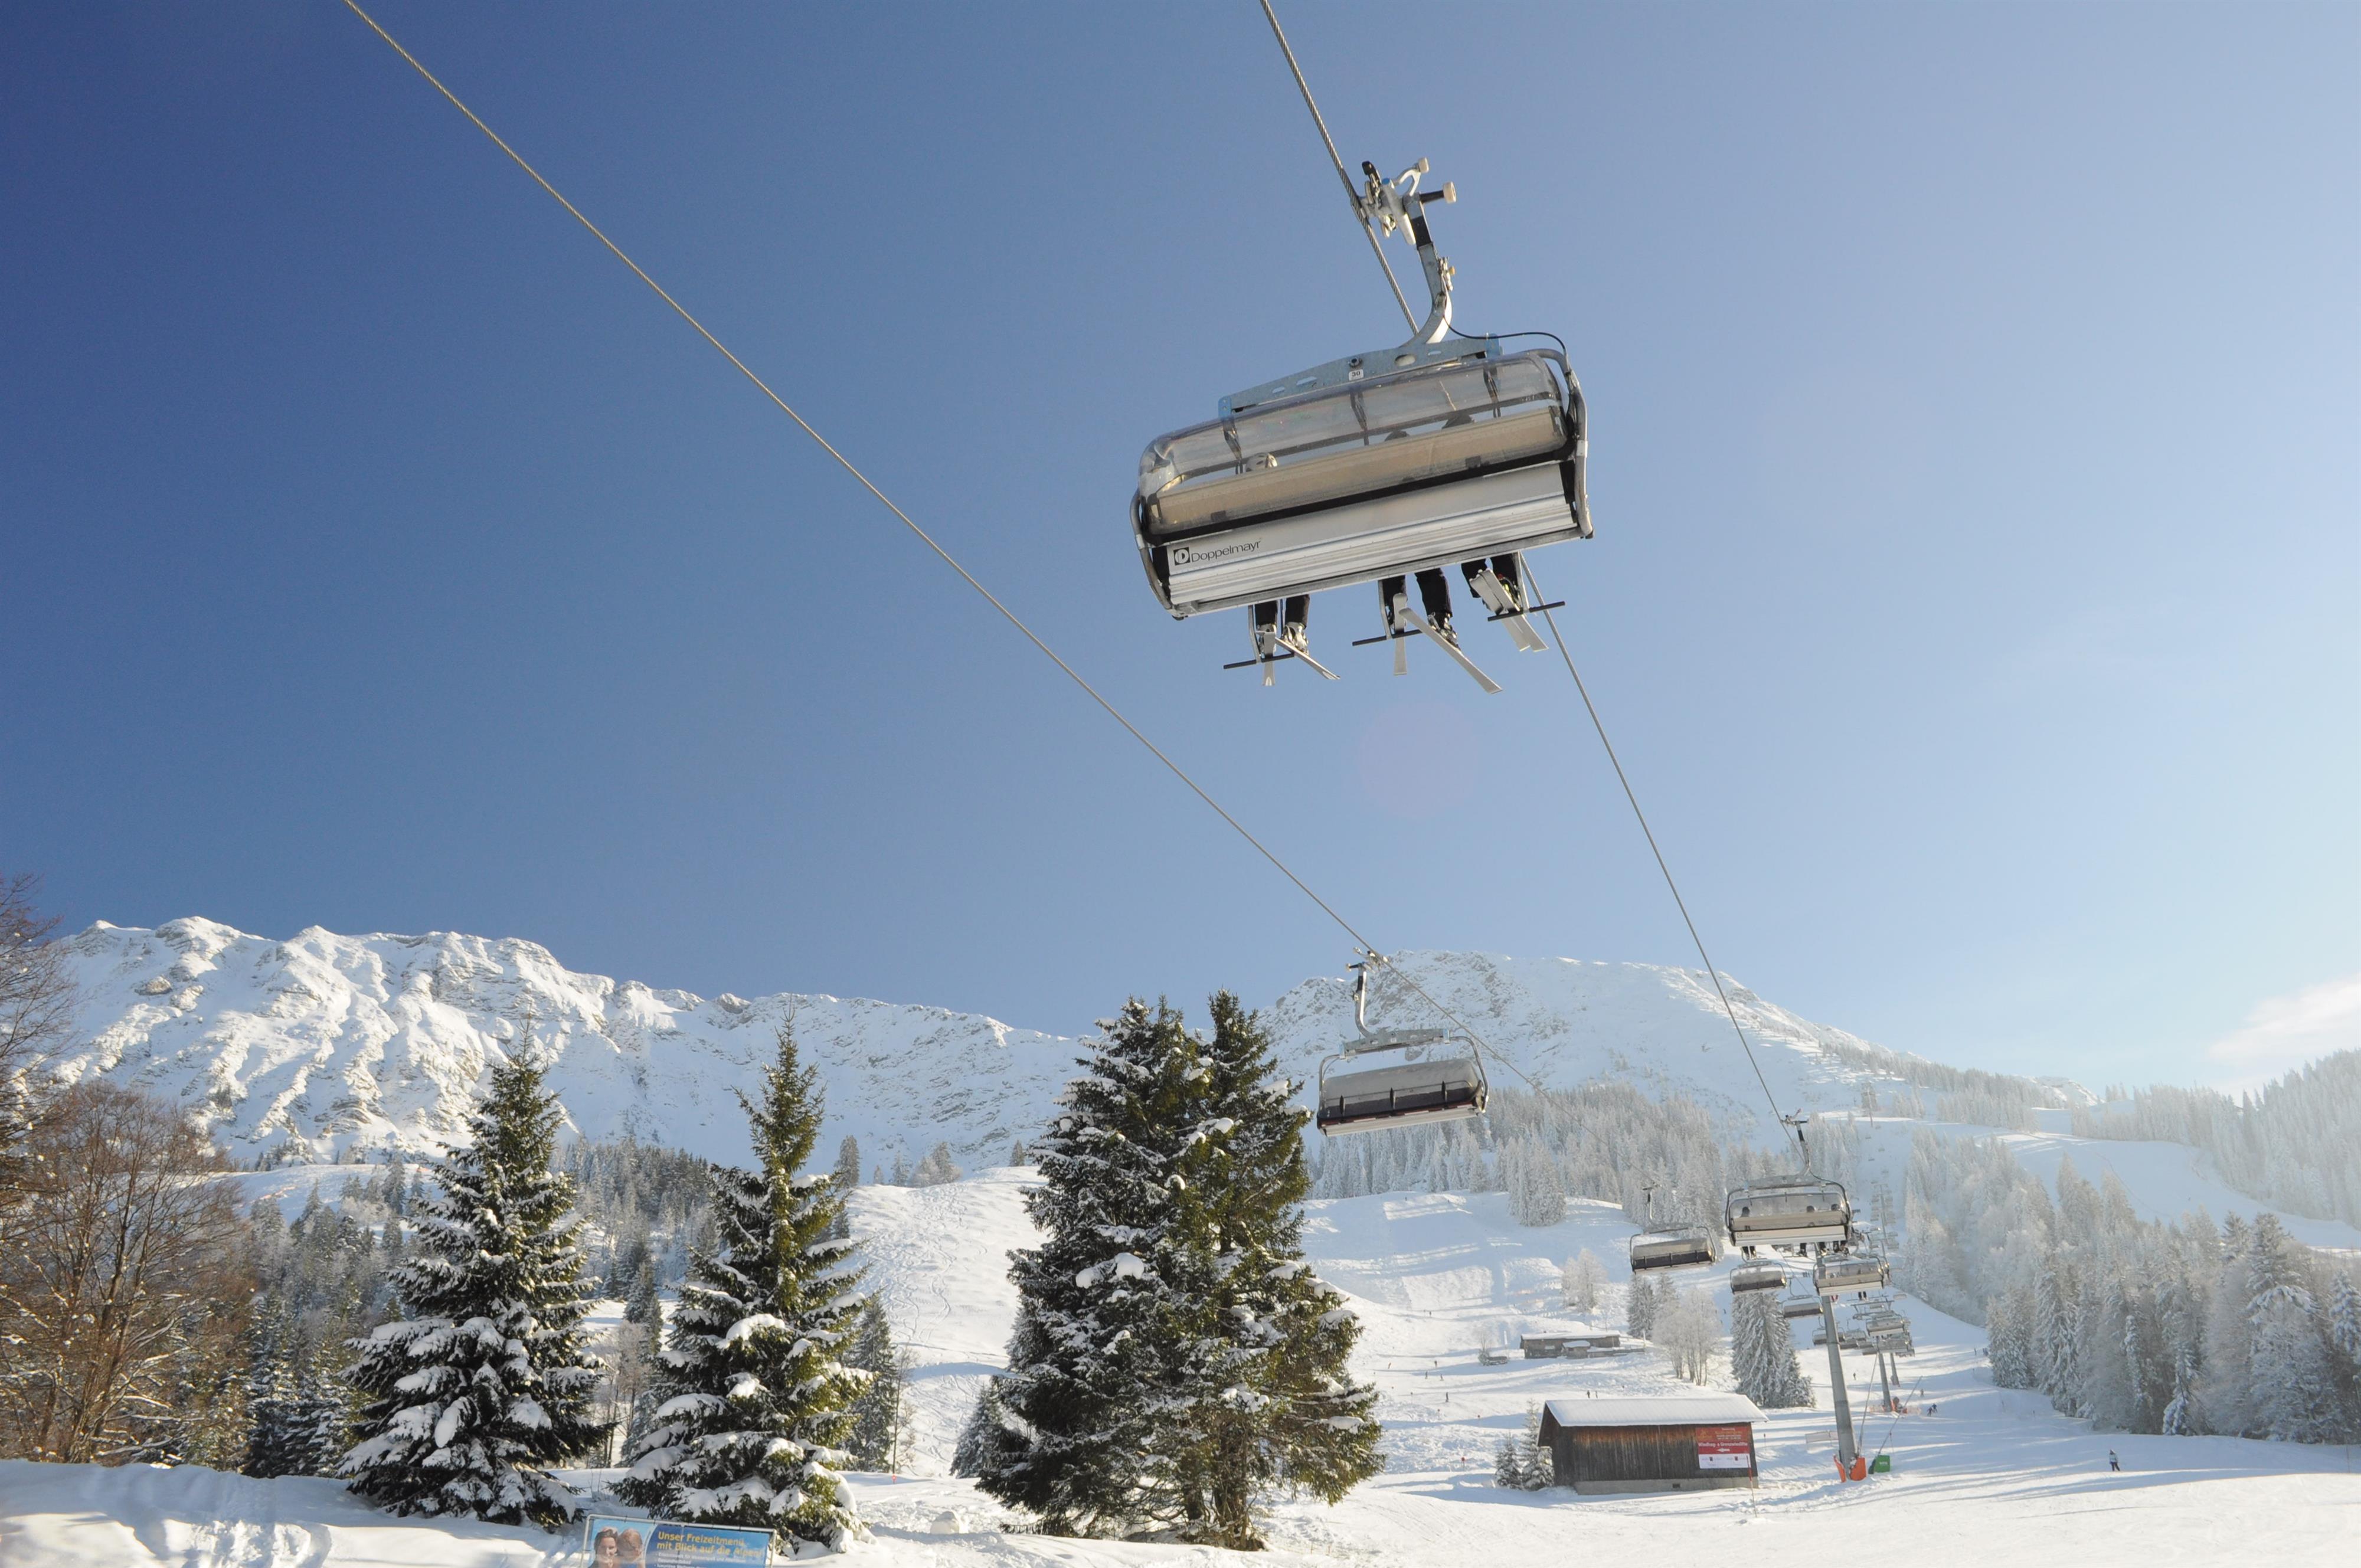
609, 1543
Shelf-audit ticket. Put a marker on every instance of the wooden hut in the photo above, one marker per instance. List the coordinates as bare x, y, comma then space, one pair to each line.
1681, 1443
1552, 1347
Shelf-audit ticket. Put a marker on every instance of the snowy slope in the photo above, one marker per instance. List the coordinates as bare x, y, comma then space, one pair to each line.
334, 1045
1988, 1477
339, 1045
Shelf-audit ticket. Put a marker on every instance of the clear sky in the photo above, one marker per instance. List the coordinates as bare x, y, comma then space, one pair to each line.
1974, 392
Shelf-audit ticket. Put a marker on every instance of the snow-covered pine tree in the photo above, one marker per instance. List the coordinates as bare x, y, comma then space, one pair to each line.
937, 1169
877, 1409
486, 1382
275, 1443
1519, 1461
2178, 1417
2295, 1383
1640, 1307
1106, 1317
1762, 1354
1542, 1201
985, 1441
756, 1402
1281, 1410
2056, 1335
1538, 1463
2007, 1342
2344, 1334
848, 1177
2226, 1379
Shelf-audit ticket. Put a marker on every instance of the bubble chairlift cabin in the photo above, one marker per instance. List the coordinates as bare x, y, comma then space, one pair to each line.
1669, 1246
1435, 1077
1836, 1273
1382, 467
1801, 1213
1750, 1277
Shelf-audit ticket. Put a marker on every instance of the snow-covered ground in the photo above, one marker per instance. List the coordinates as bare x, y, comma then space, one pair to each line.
1980, 1474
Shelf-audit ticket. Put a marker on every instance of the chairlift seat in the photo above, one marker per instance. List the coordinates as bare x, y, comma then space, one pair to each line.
1449, 1088
1684, 1246
1750, 1277
1379, 476
1792, 1213
1836, 1273
1791, 1308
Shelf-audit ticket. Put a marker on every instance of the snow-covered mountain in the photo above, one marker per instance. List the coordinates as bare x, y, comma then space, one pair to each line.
327, 1045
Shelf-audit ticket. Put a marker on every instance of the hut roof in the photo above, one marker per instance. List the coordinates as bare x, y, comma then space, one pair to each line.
1669, 1411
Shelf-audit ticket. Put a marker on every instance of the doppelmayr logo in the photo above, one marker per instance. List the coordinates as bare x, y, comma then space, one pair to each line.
1182, 555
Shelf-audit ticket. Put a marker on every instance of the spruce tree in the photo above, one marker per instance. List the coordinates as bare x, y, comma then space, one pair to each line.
486, 1382
755, 1401
848, 1177
877, 1409
2225, 1382
1104, 1303
1640, 1307
275, 1443
1273, 1405
1762, 1354
1508, 1463
985, 1441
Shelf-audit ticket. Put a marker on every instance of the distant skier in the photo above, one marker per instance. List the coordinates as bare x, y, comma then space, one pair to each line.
2113, 1463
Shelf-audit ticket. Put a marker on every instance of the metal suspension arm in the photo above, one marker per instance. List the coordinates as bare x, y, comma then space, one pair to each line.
1399, 203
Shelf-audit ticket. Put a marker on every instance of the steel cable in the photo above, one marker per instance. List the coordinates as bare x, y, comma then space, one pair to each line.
1649, 833
1351, 195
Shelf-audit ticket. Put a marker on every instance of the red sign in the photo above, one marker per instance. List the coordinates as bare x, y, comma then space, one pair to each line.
1725, 1448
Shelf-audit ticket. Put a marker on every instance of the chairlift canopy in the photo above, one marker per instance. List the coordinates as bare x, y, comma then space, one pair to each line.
1838, 1272
1438, 1080
1793, 1214
1681, 1247
1388, 473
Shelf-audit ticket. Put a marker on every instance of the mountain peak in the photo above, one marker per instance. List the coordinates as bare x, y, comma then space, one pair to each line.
325, 1047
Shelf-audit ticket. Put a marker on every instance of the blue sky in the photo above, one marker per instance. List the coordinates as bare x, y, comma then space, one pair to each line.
1974, 394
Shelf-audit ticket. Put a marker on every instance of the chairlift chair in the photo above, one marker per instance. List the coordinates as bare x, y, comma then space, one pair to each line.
1678, 1246
1798, 1213
1836, 1273
1426, 1085
1750, 1277
1794, 1307
1438, 1078
1445, 451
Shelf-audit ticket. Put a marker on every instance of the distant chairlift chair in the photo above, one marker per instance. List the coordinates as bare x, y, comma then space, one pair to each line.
1440, 1078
